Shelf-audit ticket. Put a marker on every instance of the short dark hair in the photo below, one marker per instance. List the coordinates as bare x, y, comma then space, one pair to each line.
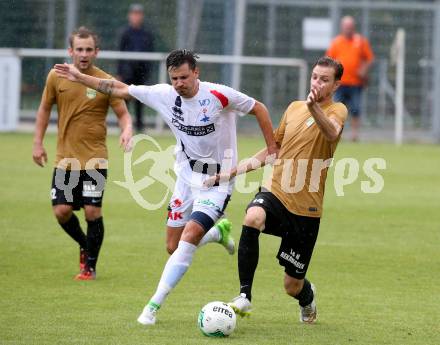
181, 56
83, 32
327, 61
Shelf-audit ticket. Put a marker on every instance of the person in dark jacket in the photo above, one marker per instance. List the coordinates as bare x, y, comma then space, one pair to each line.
136, 37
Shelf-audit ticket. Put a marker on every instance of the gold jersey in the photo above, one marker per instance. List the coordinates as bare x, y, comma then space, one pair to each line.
81, 119
298, 180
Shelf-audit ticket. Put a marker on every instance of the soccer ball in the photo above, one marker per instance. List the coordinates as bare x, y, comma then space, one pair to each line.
217, 319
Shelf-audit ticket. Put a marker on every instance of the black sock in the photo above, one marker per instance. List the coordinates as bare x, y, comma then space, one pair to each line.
95, 236
73, 229
248, 252
305, 297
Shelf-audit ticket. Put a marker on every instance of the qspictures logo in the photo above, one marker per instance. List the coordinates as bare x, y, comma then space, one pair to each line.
296, 175
160, 172
150, 174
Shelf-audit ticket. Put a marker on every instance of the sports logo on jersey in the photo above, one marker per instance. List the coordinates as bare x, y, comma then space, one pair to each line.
204, 102
310, 121
178, 101
177, 111
195, 131
205, 118
90, 93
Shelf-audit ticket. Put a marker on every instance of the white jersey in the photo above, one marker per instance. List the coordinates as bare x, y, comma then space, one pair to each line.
204, 125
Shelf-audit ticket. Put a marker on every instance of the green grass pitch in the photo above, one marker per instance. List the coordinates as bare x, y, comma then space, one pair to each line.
376, 264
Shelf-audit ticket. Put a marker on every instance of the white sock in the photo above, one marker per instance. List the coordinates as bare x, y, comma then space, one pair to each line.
175, 268
213, 235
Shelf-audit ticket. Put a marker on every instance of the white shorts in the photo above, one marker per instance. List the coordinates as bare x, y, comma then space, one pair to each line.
187, 199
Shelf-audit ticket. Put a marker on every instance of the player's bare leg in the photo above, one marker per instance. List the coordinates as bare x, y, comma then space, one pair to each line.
304, 292
173, 238
220, 233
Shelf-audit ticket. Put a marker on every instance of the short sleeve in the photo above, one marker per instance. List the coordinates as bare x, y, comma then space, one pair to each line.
331, 50
339, 112
49, 97
149, 95
232, 99
279, 132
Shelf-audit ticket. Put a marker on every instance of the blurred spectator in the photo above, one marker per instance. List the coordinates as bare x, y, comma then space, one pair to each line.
354, 52
136, 37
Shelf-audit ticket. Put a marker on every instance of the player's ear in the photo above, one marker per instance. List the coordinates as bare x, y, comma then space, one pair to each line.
70, 51
196, 71
96, 51
337, 84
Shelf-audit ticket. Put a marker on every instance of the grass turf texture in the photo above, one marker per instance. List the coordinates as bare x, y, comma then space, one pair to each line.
376, 263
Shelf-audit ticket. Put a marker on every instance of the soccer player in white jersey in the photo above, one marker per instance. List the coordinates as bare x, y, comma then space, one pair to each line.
202, 116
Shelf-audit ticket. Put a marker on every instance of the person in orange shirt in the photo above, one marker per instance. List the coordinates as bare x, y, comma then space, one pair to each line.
354, 52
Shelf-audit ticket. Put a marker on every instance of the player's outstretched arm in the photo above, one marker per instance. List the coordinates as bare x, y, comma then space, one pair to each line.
262, 114
259, 160
109, 87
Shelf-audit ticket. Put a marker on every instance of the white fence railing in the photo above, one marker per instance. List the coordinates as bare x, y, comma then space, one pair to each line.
161, 57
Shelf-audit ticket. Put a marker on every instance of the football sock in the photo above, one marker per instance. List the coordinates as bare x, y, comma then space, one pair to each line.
95, 236
73, 229
248, 252
213, 235
175, 268
305, 297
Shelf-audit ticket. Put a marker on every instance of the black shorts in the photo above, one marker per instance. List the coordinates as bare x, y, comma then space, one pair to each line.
78, 187
298, 233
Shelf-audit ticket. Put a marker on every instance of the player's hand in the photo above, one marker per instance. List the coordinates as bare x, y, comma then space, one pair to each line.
211, 180
67, 71
217, 178
313, 97
125, 139
272, 153
39, 155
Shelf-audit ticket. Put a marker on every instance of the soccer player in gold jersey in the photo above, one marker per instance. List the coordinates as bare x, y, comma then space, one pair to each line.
289, 205
81, 160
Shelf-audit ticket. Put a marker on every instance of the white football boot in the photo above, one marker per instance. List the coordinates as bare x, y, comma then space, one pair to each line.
241, 305
148, 315
309, 313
